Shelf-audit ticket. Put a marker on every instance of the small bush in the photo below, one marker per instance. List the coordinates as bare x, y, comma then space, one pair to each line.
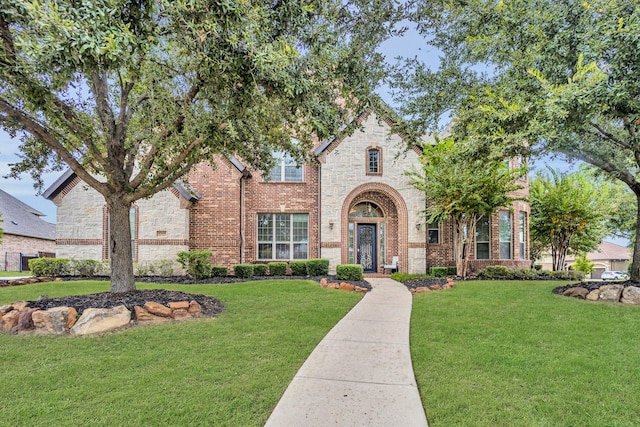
218, 271
49, 266
162, 267
298, 268
197, 263
142, 269
349, 272
244, 271
277, 268
85, 267
496, 272
318, 267
443, 271
567, 275
259, 269
405, 277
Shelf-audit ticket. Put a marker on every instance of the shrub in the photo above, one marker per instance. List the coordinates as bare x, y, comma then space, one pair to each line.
85, 267
162, 267
218, 271
259, 269
243, 270
298, 268
405, 277
277, 268
318, 267
525, 273
49, 266
142, 269
349, 272
496, 272
567, 275
443, 271
197, 263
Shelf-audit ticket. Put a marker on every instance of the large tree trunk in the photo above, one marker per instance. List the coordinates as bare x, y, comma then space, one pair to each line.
122, 279
635, 265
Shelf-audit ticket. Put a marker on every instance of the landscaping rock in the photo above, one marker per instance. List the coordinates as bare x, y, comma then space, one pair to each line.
421, 289
52, 321
180, 314
611, 293
631, 295
577, 292
5, 309
180, 305
594, 295
323, 282
20, 305
333, 286
194, 308
435, 287
25, 322
157, 309
9, 320
96, 320
361, 289
347, 287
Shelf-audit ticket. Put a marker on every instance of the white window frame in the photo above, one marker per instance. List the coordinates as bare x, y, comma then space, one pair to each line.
505, 233
522, 234
483, 242
278, 243
285, 162
433, 226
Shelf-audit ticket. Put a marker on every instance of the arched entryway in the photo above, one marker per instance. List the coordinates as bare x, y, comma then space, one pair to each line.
374, 222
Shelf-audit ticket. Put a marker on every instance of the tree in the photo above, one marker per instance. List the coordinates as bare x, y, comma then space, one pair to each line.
559, 74
462, 188
583, 264
568, 214
132, 94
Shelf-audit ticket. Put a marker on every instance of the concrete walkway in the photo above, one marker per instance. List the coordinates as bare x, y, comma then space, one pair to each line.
360, 374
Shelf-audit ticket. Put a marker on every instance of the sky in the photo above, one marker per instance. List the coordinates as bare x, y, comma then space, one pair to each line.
409, 45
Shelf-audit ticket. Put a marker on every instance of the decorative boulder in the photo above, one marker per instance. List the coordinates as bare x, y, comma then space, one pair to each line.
25, 322
194, 309
611, 293
96, 320
54, 320
9, 320
576, 292
631, 295
594, 295
157, 309
347, 286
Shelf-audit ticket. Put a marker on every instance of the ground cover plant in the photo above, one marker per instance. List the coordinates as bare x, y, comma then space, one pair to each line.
226, 371
511, 353
14, 273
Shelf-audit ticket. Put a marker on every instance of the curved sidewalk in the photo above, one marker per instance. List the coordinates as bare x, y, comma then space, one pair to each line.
361, 373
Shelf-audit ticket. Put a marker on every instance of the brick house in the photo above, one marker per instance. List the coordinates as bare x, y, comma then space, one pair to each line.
25, 232
352, 204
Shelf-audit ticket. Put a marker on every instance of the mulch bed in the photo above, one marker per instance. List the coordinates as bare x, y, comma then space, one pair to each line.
591, 286
210, 306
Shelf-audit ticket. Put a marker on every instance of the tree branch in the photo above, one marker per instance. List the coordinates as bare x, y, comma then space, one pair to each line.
44, 135
607, 135
7, 40
100, 92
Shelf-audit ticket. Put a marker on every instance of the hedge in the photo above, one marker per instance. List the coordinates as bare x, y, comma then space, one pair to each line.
349, 272
244, 271
277, 268
259, 269
218, 271
49, 266
298, 268
318, 267
197, 263
443, 271
506, 273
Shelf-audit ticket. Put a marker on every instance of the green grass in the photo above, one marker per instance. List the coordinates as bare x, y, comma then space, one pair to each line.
227, 371
513, 354
14, 273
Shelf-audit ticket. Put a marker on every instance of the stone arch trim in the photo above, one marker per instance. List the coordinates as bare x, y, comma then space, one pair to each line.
403, 219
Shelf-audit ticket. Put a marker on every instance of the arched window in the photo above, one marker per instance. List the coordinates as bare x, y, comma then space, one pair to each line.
366, 210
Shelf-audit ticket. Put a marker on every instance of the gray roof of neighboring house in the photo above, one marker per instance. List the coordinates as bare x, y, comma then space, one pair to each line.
21, 219
606, 251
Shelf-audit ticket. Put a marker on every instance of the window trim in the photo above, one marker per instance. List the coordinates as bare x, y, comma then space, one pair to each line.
281, 163
487, 242
274, 240
431, 227
522, 234
367, 165
500, 241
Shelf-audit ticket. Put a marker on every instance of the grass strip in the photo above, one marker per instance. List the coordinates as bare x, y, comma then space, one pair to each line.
493, 353
227, 371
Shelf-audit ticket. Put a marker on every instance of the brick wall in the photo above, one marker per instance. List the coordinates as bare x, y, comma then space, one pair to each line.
12, 245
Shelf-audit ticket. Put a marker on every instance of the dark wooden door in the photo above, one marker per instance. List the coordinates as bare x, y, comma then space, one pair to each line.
367, 247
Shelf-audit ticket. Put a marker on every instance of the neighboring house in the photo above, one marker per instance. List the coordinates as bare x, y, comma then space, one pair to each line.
25, 232
353, 205
608, 257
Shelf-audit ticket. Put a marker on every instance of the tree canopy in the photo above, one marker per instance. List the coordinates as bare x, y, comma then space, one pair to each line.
132, 94
463, 188
568, 214
559, 74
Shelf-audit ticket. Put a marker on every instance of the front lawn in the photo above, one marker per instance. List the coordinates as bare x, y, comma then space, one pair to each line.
14, 273
513, 354
226, 371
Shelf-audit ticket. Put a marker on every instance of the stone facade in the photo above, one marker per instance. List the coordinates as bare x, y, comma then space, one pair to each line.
357, 190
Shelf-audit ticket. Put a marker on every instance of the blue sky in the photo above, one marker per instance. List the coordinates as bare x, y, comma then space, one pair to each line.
409, 45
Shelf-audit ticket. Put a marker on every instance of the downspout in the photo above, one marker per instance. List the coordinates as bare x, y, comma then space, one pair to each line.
242, 241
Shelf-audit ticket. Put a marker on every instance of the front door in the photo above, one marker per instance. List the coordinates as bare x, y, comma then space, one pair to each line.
367, 245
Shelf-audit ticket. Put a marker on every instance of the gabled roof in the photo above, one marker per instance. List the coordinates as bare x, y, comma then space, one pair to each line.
607, 251
21, 219
378, 106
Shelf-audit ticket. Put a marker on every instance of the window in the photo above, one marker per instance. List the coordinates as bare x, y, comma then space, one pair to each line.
482, 238
433, 233
373, 161
521, 234
505, 234
283, 236
285, 170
